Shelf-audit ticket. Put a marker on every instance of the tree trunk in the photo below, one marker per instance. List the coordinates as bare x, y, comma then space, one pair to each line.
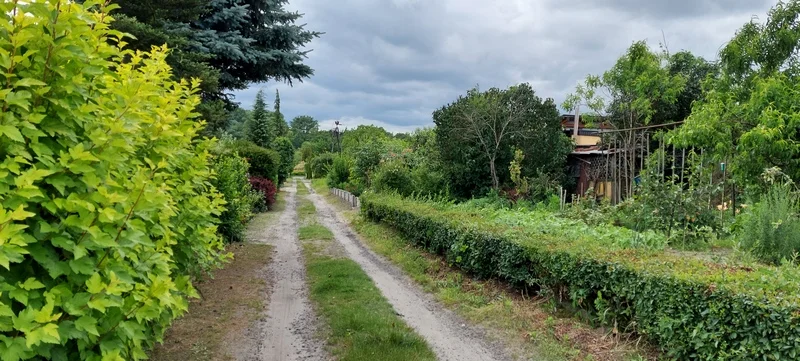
495, 181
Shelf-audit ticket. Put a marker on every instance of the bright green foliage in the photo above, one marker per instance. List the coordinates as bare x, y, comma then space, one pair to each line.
283, 146
638, 81
515, 168
259, 130
361, 135
476, 135
695, 70
320, 141
750, 114
426, 164
264, 163
240, 198
303, 129
693, 309
159, 22
106, 203
367, 157
770, 230
339, 172
306, 152
666, 204
394, 176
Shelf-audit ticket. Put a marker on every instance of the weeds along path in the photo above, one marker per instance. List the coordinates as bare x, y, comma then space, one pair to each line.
449, 336
287, 333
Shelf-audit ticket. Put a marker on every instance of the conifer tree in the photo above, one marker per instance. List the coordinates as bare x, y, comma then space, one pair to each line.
259, 130
279, 122
227, 44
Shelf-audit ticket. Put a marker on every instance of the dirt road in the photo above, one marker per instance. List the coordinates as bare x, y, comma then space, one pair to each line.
287, 333
450, 337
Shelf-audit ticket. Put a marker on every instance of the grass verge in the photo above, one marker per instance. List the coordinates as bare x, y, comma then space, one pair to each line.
230, 303
301, 188
314, 232
529, 326
320, 185
361, 324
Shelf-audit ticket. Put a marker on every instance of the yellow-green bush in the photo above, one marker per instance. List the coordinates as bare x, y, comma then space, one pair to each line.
107, 209
692, 308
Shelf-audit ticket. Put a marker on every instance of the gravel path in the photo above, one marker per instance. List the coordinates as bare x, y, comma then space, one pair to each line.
449, 336
287, 333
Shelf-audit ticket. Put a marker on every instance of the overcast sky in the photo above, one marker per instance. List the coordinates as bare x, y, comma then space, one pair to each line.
393, 62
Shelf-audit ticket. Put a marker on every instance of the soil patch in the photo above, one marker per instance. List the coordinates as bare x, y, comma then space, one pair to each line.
231, 303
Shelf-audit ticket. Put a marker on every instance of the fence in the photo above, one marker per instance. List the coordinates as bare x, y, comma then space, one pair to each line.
347, 197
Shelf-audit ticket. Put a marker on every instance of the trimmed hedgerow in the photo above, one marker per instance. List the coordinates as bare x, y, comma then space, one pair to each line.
693, 309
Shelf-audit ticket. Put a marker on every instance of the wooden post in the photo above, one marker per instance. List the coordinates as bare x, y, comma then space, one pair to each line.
661, 155
683, 164
641, 162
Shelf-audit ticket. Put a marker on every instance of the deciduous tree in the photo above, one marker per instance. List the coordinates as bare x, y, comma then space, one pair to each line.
477, 132
750, 114
303, 128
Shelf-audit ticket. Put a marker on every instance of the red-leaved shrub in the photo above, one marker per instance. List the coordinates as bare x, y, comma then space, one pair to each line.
266, 187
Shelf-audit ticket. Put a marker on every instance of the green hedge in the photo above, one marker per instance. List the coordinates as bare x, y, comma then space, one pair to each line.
264, 163
692, 309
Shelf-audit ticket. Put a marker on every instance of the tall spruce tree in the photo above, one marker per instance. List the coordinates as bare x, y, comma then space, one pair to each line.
227, 44
259, 129
254, 41
279, 125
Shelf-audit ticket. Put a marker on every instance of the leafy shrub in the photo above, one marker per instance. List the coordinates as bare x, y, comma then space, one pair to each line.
493, 200
232, 182
106, 205
267, 189
429, 182
285, 149
264, 163
339, 172
693, 309
308, 170
367, 158
663, 203
394, 176
321, 164
355, 187
771, 230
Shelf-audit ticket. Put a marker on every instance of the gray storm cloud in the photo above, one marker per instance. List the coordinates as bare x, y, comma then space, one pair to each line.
392, 63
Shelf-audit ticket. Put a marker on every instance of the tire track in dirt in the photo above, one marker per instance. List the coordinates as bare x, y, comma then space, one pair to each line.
449, 336
288, 331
